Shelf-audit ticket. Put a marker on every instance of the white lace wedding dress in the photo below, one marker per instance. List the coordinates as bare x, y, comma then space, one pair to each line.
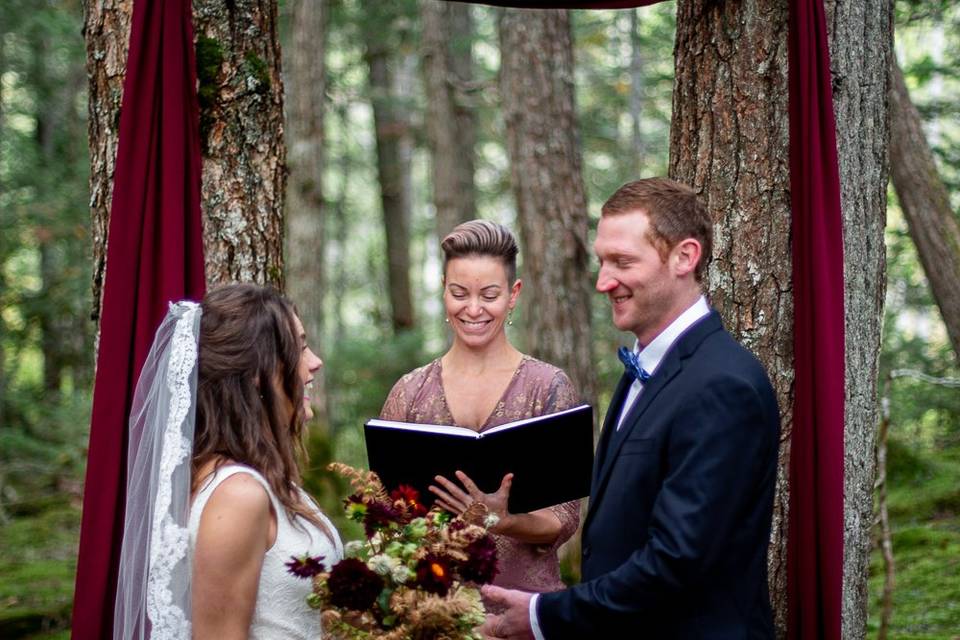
281, 611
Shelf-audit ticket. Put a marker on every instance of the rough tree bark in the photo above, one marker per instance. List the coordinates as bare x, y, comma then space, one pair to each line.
106, 29
729, 139
238, 65
306, 215
926, 205
451, 122
536, 79
860, 36
394, 151
241, 127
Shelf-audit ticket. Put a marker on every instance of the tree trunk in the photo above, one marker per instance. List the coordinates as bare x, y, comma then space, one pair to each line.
926, 205
3, 281
107, 33
55, 94
306, 242
340, 220
241, 127
636, 92
451, 123
394, 151
860, 52
49, 336
729, 139
241, 124
46, 128
536, 79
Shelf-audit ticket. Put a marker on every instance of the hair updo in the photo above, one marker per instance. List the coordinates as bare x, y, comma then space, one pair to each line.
482, 238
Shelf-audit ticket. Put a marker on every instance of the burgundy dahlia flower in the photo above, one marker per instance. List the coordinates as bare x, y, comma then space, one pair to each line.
353, 585
434, 574
410, 497
379, 516
481, 563
305, 566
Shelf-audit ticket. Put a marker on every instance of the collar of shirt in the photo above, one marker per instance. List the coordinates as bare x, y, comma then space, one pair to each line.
652, 355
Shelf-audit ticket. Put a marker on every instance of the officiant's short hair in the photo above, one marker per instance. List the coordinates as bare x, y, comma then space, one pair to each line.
482, 238
675, 213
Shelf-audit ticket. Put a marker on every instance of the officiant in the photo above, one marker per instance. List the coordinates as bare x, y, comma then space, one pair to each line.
483, 381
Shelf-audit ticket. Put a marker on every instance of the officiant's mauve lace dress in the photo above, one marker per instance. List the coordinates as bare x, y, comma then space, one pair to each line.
535, 389
281, 611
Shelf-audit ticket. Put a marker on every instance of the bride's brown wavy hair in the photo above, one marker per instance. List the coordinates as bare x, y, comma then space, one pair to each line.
249, 393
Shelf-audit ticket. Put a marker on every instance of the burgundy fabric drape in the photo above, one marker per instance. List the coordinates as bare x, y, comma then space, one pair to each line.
154, 255
815, 529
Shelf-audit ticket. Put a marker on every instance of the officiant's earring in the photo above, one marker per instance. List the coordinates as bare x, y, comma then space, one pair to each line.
510, 318
446, 319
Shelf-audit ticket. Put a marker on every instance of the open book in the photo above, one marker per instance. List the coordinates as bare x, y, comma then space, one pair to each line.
550, 456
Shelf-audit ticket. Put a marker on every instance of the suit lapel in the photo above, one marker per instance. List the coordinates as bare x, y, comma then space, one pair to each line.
668, 370
612, 438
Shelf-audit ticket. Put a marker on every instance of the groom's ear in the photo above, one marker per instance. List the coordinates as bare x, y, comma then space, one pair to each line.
685, 257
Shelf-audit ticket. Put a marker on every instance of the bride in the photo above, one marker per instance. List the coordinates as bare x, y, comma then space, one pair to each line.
214, 506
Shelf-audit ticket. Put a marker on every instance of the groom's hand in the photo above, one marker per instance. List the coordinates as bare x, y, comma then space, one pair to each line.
514, 622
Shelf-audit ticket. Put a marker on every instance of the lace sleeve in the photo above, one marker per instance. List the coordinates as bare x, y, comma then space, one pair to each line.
395, 406
561, 394
569, 515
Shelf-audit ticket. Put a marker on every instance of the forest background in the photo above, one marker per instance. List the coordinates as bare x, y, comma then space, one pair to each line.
379, 317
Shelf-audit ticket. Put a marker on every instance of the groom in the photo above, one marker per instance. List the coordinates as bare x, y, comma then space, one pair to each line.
675, 539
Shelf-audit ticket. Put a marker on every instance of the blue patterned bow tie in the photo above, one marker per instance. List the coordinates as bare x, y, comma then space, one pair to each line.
631, 363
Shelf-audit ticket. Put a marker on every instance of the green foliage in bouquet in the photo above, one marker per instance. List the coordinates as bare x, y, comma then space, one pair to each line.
416, 574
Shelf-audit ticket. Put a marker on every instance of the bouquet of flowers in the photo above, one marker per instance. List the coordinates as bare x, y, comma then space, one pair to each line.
414, 577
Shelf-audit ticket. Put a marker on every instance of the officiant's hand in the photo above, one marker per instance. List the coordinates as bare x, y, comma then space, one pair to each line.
455, 499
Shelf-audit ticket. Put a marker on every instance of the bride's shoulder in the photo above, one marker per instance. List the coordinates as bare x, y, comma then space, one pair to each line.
242, 494
237, 509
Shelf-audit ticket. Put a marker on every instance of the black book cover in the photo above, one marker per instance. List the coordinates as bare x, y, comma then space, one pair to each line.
550, 456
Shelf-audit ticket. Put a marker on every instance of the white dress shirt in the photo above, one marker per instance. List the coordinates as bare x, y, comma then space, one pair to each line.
652, 355
650, 358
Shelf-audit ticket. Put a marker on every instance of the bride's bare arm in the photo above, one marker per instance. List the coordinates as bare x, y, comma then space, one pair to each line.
236, 529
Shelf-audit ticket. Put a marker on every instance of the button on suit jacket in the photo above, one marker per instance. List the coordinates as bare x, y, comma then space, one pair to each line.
675, 539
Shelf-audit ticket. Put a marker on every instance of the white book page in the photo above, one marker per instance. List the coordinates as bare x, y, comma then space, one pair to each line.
463, 431
520, 423
444, 429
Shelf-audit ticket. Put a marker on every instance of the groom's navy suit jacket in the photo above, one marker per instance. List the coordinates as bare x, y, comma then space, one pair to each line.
675, 539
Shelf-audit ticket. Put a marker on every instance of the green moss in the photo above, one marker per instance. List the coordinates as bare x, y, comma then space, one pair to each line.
274, 274
924, 506
38, 564
209, 56
258, 71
